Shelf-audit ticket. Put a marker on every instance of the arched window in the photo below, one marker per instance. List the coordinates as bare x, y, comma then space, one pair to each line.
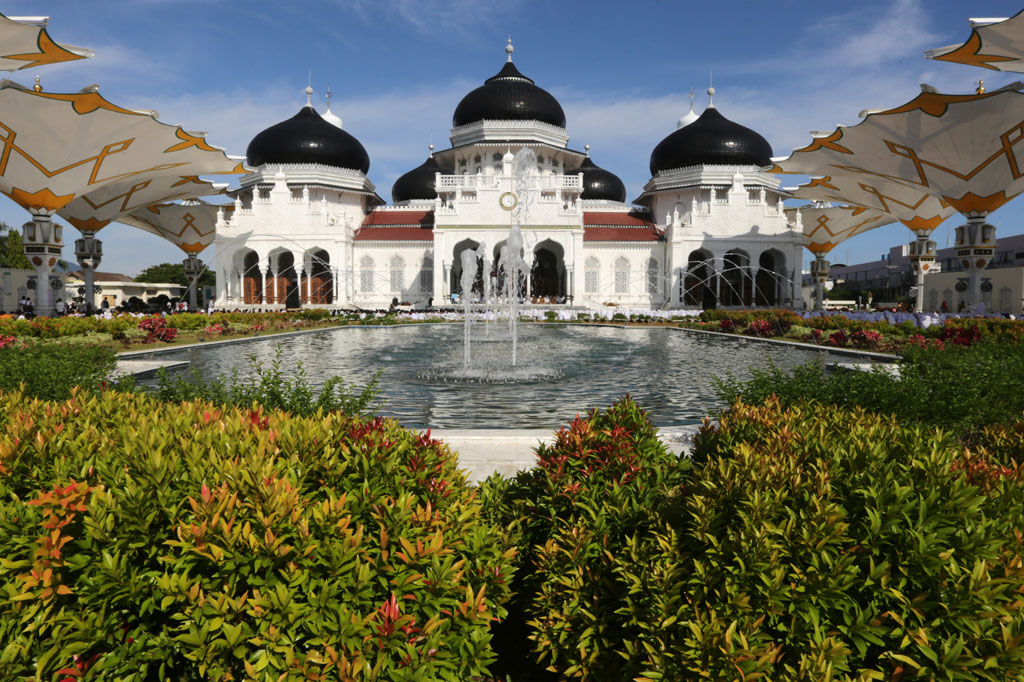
590, 275
366, 275
622, 276
933, 300
652, 276
397, 274
427, 276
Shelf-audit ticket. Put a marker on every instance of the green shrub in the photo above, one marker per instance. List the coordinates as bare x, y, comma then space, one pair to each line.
957, 388
550, 315
188, 322
143, 540
619, 317
51, 370
823, 543
270, 388
602, 484
313, 314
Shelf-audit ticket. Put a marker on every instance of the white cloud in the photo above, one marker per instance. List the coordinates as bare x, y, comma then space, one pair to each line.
435, 17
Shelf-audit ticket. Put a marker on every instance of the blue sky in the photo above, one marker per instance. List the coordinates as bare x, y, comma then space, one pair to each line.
398, 68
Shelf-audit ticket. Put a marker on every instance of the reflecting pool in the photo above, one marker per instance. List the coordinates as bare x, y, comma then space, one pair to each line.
669, 372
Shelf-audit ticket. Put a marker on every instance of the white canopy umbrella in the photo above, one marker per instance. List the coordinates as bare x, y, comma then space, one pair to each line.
24, 43
824, 227
190, 225
57, 147
91, 212
960, 148
996, 44
918, 210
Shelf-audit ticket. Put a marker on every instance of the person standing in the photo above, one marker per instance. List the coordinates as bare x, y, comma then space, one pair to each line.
60, 307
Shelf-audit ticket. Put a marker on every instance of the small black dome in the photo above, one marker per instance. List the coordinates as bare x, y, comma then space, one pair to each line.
509, 96
307, 138
599, 183
711, 139
417, 183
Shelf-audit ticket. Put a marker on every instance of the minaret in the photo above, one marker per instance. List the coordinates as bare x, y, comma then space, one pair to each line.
690, 116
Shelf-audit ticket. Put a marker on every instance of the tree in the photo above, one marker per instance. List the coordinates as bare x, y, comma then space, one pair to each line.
12, 254
173, 273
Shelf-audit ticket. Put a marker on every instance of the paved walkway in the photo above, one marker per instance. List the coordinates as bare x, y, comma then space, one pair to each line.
483, 452
143, 367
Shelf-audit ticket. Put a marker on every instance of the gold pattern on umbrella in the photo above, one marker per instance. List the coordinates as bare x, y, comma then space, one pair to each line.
24, 45
56, 147
960, 148
912, 206
190, 225
826, 227
997, 45
95, 210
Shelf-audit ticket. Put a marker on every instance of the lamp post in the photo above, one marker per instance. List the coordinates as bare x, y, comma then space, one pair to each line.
922, 258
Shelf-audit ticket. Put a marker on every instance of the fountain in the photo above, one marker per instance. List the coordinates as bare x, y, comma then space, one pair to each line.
495, 366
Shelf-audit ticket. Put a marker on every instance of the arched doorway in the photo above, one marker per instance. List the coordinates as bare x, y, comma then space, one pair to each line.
768, 283
252, 279
547, 278
456, 272
736, 282
321, 281
699, 282
287, 283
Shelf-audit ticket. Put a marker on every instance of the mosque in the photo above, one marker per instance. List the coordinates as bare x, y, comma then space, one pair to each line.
308, 227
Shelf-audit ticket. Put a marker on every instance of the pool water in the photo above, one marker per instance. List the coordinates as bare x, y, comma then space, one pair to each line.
669, 372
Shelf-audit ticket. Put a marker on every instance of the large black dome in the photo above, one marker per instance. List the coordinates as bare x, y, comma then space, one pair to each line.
417, 183
599, 183
307, 138
711, 139
509, 96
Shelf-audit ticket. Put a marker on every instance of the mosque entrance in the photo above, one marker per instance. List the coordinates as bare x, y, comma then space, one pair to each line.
287, 283
321, 282
698, 285
456, 276
548, 274
252, 282
768, 278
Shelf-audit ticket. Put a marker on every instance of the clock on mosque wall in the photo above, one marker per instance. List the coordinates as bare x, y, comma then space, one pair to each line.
508, 201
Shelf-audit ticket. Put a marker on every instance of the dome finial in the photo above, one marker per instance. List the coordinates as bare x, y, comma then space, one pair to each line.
508, 48
586, 148
711, 91
979, 91
38, 87
691, 97
431, 148
327, 95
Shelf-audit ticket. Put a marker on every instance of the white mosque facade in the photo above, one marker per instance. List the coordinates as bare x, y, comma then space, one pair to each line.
308, 227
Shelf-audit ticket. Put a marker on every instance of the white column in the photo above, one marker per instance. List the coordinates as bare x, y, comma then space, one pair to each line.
819, 273
263, 290
976, 242
42, 242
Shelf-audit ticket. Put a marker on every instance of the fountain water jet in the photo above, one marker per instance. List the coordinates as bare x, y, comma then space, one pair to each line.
510, 266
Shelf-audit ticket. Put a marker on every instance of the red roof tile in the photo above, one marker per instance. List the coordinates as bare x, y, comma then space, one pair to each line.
399, 218
622, 234
612, 218
397, 226
407, 234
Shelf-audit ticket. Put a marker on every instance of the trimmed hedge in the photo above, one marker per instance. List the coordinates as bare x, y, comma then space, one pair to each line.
600, 487
51, 370
807, 542
143, 540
